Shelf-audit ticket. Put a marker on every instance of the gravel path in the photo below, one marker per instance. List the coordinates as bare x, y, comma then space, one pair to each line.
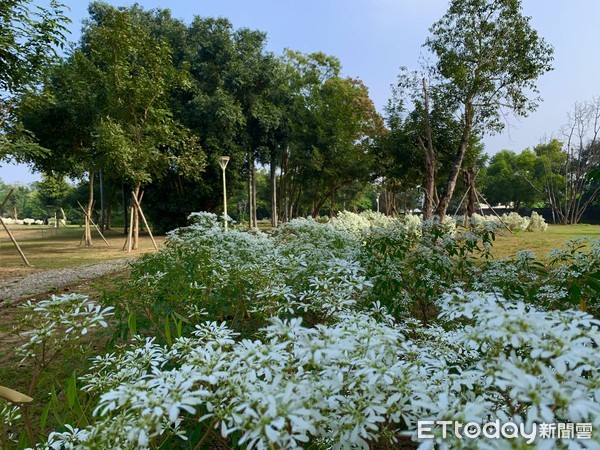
19, 288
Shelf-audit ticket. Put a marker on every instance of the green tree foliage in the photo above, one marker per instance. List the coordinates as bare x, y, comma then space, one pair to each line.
29, 37
510, 178
234, 102
137, 137
333, 131
487, 61
53, 191
107, 106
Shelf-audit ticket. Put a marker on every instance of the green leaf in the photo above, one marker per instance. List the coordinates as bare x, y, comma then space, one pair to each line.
44, 415
132, 324
71, 391
168, 331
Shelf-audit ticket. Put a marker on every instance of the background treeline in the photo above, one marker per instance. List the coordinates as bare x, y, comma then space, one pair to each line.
146, 103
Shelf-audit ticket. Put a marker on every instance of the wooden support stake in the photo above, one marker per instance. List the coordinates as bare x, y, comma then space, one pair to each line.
130, 236
12, 238
14, 241
93, 223
479, 196
5, 200
143, 218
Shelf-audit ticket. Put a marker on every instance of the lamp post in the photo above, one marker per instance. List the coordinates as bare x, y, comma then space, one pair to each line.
377, 200
223, 160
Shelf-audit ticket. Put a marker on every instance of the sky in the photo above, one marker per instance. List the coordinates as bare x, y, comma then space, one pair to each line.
374, 38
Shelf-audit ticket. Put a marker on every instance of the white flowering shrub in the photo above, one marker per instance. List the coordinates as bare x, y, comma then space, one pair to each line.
479, 222
413, 224
10, 416
203, 221
336, 335
350, 384
50, 325
358, 223
537, 222
48, 329
515, 222
571, 278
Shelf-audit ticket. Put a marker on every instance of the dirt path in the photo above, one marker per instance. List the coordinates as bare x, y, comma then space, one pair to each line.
16, 289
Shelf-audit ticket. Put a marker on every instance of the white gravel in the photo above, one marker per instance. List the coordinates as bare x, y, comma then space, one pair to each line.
20, 288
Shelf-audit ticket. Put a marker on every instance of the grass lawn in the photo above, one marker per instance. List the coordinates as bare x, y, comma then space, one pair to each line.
541, 242
54, 248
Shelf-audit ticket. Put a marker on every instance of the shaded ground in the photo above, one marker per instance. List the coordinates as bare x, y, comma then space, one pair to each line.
56, 248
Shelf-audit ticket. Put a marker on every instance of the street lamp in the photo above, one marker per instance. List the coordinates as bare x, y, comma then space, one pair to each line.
377, 200
223, 160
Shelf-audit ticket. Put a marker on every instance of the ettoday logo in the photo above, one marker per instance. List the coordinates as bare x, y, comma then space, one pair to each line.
507, 430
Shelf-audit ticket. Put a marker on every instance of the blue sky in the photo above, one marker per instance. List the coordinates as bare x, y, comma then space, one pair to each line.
373, 38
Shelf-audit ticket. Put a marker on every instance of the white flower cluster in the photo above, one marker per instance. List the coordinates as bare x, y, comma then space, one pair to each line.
356, 223
330, 369
52, 324
26, 221
537, 223
513, 221
9, 416
351, 383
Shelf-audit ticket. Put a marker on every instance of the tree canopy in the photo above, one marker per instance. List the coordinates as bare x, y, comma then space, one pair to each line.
487, 61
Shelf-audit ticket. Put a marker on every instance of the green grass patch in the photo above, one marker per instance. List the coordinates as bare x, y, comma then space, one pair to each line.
542, 243
56, 248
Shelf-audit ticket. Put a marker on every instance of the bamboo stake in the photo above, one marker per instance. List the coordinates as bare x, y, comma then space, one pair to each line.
12, 238
143, 218
130, 236
5, 200
93, 223
14, 241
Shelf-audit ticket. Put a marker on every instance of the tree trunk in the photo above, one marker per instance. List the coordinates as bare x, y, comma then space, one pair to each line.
87, 232
321, 202
251, 223
429, 188
290, 201
456, 166
298, 203
283, 186
331, 209
273, 190
136, 219
254, 218
430, 160
107, 218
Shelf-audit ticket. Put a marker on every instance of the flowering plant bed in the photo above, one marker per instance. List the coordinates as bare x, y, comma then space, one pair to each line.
336, 335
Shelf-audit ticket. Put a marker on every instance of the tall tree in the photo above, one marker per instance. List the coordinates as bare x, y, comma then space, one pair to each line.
138, 138
488, 58
64, 116
567, 167
333, 132
421, 143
